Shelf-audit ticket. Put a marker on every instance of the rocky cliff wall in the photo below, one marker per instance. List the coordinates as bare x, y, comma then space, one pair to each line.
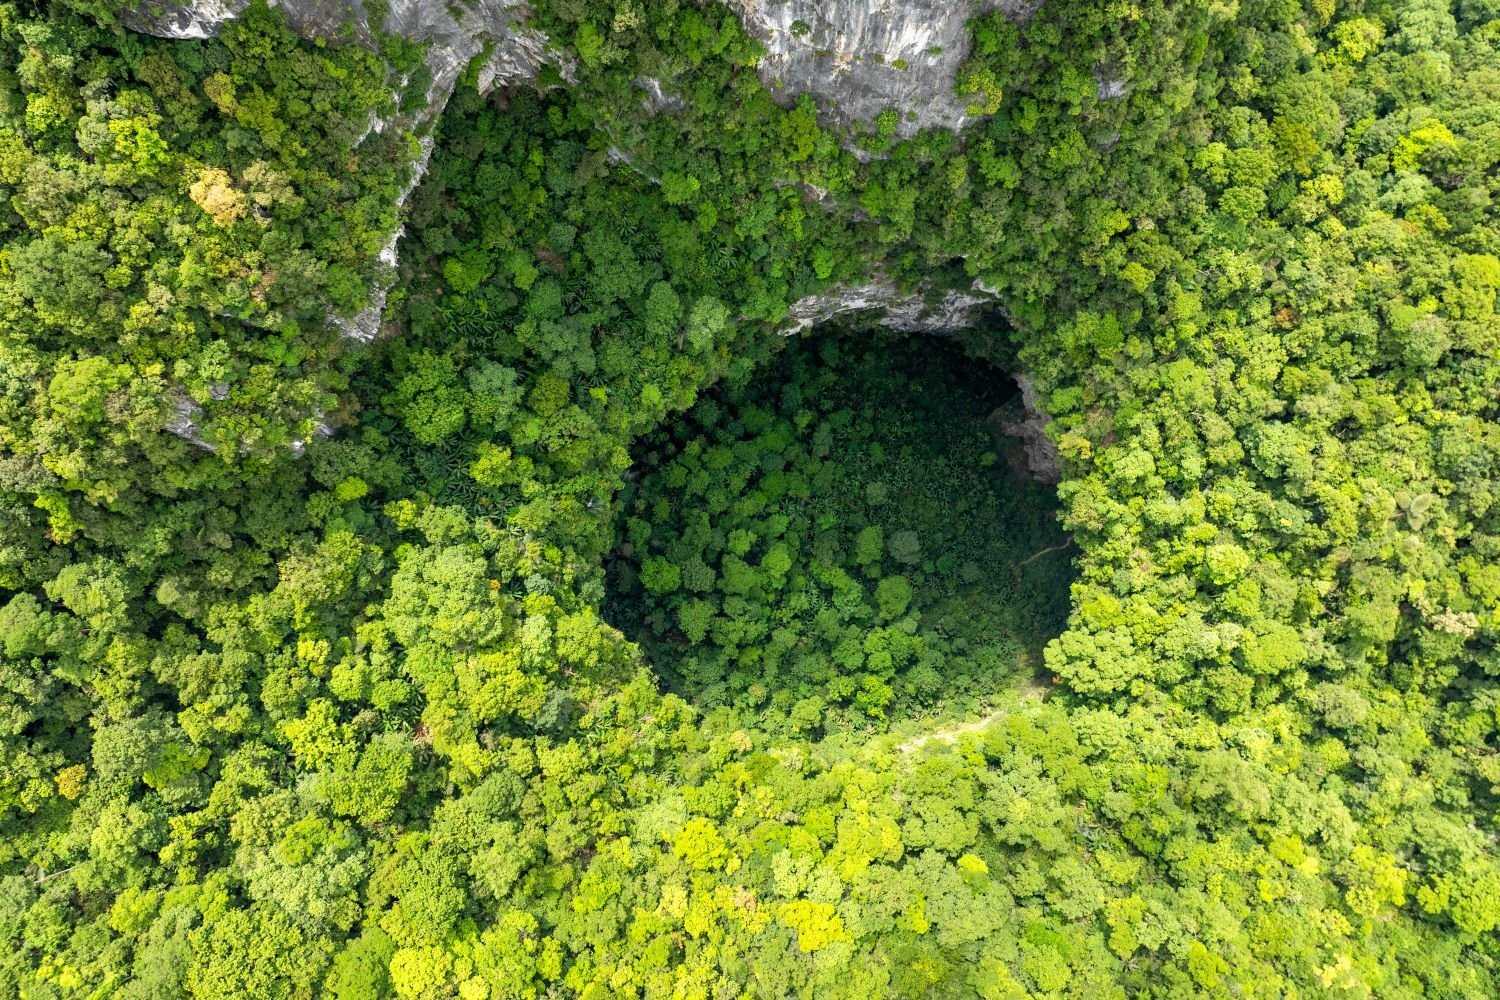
862, 57
452, 34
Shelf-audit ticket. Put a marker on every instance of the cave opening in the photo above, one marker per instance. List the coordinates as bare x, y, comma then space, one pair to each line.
847, 541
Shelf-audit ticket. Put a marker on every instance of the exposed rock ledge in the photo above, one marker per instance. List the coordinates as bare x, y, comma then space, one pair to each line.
862, 57
910, 312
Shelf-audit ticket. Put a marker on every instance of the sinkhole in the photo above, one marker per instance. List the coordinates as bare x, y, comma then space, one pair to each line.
846, 540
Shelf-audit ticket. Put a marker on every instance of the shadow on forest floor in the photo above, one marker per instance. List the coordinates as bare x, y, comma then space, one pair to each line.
841, 544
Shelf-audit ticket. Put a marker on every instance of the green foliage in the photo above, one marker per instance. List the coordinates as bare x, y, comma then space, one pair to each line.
170, 241
766, 583
346, 720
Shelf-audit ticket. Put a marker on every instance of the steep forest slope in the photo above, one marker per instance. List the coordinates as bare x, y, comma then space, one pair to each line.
308, 686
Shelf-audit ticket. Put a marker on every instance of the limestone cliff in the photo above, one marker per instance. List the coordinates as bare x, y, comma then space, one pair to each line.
862, 57
910, 312
1039, 456
452, 34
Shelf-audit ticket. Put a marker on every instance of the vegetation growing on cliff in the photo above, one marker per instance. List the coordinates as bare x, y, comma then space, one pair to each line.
350, 721
180, 220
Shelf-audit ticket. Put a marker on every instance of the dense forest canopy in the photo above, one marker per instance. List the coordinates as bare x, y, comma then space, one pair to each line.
311, 683
840, 544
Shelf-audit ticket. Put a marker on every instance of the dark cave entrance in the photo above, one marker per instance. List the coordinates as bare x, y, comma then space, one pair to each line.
848, 539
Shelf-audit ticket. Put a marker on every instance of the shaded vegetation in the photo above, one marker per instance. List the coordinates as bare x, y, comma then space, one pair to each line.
350, 723
840, 541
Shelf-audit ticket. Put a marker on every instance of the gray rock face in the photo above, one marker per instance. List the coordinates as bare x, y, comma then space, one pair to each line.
657, 99
861, 57
200, 19
453, 32
909, 312
183, 422
1043, 463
